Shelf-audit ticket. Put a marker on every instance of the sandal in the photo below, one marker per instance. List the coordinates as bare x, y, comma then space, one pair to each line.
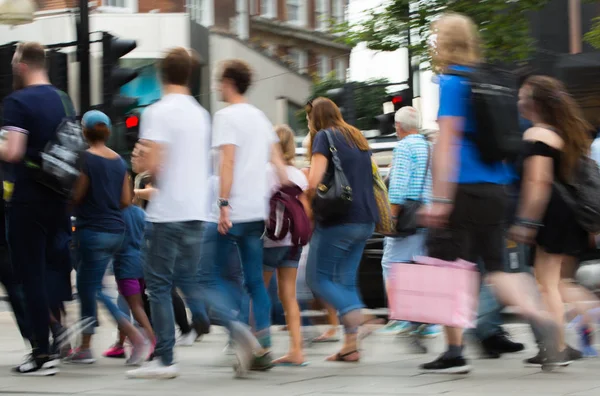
343, 357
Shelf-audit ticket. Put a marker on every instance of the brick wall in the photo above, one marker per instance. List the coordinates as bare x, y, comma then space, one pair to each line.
224, 11
163, 5
47, 5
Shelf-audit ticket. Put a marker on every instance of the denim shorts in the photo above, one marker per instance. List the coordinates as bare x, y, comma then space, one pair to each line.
281, 257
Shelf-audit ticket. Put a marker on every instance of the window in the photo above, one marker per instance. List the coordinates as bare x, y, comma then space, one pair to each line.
338, 11
324, 66
268, 8
296, 12
114, 3
340, 69
130, 5
200, 11
321, 15
252, 10
299, 58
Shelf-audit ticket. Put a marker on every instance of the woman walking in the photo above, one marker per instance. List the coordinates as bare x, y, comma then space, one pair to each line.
101, 191
554, 145
337, 244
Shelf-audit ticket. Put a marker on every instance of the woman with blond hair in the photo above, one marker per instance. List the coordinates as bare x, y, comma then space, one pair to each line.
468, 207
282, 256
337, 244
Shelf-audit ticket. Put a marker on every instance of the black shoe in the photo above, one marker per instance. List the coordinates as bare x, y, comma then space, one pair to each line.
542, 359
444, 365
37, 366
262, 362
573, 354
499, 344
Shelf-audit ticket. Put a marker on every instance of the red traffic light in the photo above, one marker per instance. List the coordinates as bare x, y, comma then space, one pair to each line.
396, 100
132, 121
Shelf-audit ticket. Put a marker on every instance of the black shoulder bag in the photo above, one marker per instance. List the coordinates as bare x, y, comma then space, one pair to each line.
334, 194
407, 221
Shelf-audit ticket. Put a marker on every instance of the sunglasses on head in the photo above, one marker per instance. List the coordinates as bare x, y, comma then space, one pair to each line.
308, 106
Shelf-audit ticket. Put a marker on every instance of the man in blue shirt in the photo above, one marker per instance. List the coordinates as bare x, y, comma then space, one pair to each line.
37, 214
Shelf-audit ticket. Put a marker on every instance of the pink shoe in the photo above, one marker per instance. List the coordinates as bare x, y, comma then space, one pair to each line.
116, 352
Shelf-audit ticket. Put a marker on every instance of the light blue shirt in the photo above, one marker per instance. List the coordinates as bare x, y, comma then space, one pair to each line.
595, 153
407, 176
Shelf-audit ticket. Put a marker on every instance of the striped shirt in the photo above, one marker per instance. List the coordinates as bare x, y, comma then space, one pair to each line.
407, 175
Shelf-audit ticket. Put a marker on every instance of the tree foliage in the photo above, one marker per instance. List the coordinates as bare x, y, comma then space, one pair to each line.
368, 100
593, 36
504, 26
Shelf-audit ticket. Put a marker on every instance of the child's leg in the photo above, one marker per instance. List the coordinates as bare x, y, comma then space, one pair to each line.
136, 303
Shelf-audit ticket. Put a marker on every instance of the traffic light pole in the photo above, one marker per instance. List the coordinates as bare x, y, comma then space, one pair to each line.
84, 56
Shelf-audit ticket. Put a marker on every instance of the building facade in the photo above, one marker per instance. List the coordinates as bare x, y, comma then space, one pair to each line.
280, 90
295, 31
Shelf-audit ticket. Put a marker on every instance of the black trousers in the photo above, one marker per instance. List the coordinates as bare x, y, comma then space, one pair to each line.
32, 230
14, 290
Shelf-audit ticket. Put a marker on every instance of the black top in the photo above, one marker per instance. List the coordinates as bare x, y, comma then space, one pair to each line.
561, 233
36, 111
100, 209
359, 172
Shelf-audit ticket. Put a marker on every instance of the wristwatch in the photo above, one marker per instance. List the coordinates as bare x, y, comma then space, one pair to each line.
222, 203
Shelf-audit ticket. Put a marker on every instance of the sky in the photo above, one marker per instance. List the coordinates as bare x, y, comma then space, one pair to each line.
366, 64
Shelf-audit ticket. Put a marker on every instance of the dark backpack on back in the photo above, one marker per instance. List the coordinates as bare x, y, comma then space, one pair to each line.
494, 97
583, 194
59, 166
287, 216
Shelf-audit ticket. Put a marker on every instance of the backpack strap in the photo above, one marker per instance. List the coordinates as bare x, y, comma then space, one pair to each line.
67, 104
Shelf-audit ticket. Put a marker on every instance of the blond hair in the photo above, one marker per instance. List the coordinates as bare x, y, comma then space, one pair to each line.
287, 142
456, 42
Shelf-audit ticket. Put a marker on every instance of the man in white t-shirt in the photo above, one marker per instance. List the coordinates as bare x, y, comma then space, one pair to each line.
175, 149
246, 143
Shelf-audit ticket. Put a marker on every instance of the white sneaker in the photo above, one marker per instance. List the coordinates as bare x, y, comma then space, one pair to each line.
187, 340
154, 370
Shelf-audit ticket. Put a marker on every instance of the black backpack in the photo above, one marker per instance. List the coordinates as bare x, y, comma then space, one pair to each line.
582, 194
494, 97
59, 164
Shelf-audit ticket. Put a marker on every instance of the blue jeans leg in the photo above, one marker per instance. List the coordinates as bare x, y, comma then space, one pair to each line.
333, 260
172, 251
235, 278
221, 295
248, 237
489, 318
95, 250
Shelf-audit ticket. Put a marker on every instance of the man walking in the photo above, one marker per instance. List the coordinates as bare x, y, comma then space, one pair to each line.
175, 150
246, 142
37, 214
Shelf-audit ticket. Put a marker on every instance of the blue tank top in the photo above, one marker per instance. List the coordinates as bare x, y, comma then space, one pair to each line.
100, 209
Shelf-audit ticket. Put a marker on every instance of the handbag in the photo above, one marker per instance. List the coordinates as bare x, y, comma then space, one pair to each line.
434, 291
333, 197
385, 225
407, 221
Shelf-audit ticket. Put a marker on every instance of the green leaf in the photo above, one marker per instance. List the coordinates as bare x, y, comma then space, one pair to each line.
504, 26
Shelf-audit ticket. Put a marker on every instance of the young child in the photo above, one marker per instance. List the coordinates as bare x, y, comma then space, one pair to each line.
129, 275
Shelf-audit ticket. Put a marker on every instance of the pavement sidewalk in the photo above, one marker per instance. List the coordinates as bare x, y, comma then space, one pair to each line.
388, 368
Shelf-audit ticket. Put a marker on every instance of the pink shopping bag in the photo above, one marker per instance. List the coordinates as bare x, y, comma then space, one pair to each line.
434, 291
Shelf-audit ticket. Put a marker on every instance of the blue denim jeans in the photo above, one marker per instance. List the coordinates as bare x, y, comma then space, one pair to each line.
95, 250
171, 260
333, 260
222, 295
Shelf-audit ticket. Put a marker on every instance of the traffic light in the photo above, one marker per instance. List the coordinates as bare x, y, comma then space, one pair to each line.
132, 128
386, 121
344, 98
114, 77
